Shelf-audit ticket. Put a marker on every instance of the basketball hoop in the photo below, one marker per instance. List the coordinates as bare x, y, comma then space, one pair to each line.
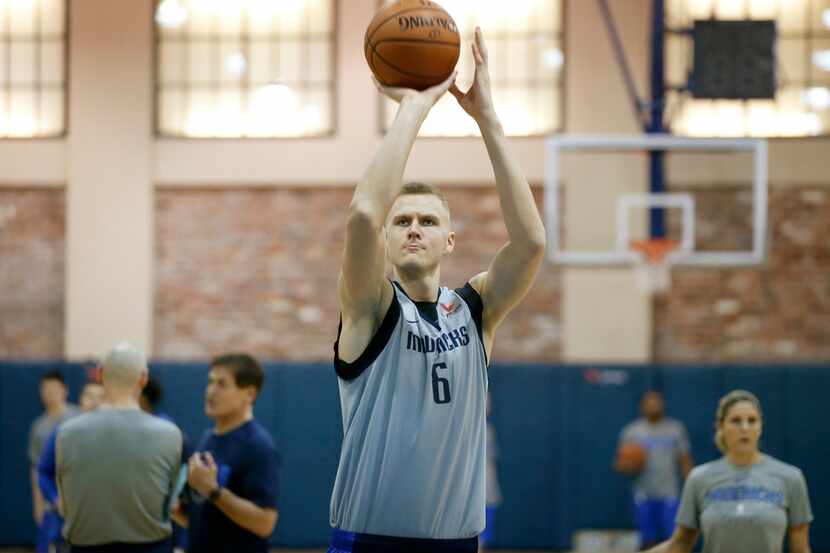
655, 263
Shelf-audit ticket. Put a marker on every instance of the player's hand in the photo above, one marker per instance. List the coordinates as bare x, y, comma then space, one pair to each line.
202, 473
426, 98
478, 100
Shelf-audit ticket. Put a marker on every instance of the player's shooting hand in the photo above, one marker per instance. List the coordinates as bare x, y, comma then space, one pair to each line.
425, 98
478, 100
202, 473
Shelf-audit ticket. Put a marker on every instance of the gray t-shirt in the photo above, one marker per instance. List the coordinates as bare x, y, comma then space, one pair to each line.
744, 509
42, 428
116, 469
664, 441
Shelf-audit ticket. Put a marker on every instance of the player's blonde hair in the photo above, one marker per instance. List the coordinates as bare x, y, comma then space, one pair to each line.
414, 188
724, 405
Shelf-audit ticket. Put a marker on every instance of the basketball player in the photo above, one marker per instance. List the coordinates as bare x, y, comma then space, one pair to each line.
656, 488
746, 501
412, 355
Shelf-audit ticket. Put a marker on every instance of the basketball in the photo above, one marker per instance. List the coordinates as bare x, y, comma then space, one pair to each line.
412, 44
631, 457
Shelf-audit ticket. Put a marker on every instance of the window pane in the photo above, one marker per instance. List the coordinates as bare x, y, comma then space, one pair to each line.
51, 62
524, 41
171, 62
248, 69
23, 58
201, 62
21, 18
52, 17
171, 116
51, 112
792, 66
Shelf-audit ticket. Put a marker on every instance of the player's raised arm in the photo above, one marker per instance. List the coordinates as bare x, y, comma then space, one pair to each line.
512, 270
361, 278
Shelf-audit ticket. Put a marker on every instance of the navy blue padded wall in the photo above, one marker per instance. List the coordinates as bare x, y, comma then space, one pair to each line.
602, 400
528, 410
808, 442
308, 431
691, 394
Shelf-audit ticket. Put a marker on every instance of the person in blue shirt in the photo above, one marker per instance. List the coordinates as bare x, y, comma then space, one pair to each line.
91, 397
233, 474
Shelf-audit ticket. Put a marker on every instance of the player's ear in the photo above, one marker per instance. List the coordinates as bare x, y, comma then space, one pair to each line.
450, 242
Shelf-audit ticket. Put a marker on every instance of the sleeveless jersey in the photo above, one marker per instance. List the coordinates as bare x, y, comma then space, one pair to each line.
412, 462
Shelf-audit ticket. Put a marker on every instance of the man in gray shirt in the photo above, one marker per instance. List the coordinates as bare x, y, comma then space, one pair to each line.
53, 394
657, 485
117, 467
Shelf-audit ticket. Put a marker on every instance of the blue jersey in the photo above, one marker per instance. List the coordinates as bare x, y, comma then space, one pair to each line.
248, 466
412, 462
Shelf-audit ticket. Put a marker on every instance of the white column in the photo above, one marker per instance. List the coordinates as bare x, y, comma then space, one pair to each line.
604, 316
109, 293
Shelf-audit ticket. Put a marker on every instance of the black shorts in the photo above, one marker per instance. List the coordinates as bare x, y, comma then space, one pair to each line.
351, 542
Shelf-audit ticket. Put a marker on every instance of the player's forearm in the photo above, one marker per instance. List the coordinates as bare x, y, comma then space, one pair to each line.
521, 217
384, 177
247, 514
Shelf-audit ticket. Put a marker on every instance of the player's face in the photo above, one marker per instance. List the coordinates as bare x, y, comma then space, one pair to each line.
52, 392
652, 406
418, 233
222, 396
91, 397
742, 428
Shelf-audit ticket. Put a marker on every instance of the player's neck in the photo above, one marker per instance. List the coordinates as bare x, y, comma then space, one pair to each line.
420, 287
232, 421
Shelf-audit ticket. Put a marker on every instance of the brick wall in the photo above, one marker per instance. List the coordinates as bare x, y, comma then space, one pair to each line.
256, 270
780, 311
31, 273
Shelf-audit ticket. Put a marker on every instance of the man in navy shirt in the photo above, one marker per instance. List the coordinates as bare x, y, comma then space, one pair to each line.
233, 472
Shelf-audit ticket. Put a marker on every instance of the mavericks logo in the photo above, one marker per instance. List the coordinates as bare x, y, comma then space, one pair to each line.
446, 342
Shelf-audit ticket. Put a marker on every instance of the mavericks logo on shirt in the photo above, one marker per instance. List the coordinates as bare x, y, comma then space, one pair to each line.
446, 342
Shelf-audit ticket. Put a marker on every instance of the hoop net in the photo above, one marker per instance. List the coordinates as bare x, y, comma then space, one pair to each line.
653, 269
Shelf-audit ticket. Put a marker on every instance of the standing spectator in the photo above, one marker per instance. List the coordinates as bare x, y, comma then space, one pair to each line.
53, 394
234, 469
657, 482
746, 501
116, 467
91, 397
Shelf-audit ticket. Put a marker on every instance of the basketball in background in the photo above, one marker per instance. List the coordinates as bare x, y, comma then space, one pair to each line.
412, 44
631, 457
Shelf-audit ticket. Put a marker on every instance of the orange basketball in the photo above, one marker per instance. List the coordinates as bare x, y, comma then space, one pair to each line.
412, 44
631, 457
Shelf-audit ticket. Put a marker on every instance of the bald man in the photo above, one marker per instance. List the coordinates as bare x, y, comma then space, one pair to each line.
117, 467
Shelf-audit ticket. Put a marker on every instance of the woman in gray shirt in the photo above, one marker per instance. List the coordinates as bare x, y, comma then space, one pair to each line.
746, 501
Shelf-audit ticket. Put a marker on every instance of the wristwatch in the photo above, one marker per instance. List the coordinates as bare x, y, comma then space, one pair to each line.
214, 494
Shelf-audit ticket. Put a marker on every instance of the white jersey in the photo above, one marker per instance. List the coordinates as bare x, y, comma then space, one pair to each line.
412, 462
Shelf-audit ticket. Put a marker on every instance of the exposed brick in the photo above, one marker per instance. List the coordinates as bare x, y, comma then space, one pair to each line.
31, 273
779, 311
256, 270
